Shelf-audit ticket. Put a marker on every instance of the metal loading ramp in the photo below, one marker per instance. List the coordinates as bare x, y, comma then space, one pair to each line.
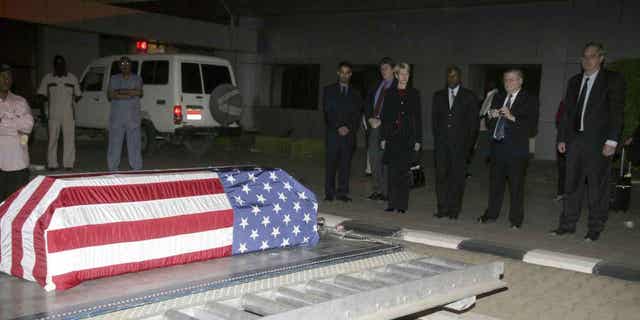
385, 292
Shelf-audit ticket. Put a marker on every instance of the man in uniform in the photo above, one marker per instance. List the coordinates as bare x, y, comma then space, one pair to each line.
125, 90
60, 89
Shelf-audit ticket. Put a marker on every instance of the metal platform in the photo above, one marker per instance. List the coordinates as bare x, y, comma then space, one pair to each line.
365, 270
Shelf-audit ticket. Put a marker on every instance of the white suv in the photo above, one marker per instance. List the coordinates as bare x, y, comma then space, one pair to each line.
187, 98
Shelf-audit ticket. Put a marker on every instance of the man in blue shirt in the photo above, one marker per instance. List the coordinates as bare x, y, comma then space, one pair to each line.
125, 90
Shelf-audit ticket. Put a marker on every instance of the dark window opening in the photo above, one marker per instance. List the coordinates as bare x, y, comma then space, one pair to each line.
155, 72
191, 78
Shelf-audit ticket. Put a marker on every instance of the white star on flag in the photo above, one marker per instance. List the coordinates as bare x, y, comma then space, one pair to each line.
285, 242
264, 245
261, 198
254, 234
315, 228
287, 186
307, 218
239, 200
276, 232
276, 208
296, 230
255, 210
286, 219
272, 176
244, 223
246, 189
296, 206
252, 177
243, 248
315, 206
302, 195
305, 240
266, 186
231, 179
265, 221
282, 197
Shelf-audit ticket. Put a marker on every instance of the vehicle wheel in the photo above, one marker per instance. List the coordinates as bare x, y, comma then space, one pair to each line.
147, 138
198, 145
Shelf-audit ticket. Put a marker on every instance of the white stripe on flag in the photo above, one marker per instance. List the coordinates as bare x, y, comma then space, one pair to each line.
128, 252
28, 249
5, 223
70, 217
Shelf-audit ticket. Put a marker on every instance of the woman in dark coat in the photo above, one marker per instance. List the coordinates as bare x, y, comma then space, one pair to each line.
401, 136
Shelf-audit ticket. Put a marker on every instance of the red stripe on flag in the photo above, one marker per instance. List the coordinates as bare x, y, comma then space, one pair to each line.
109, 233
71, 279
18, 223
143, 172
75, 196
3, 210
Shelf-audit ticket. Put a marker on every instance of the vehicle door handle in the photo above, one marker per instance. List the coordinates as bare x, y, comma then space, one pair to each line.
199, 97
160, 102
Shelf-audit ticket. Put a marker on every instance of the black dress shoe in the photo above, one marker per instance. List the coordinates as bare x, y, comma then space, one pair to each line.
592, 236
441, 214
453, 216
389, 209
516, 226
485, 219
562, 231
343, 198
402, 211
328, 198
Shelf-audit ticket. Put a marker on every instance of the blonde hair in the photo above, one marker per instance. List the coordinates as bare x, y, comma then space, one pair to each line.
402, 66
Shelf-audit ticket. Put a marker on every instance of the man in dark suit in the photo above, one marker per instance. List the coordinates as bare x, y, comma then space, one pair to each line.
455, 125
513, 118
373, 107
590, 129
342, 109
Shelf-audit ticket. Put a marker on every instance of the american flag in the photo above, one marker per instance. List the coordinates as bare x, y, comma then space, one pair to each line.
62, 230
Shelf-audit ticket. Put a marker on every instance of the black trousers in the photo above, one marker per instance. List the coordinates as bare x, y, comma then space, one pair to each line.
451, 167
501, 170
399, 185
588, 171
11, 181
561, 160
338, 160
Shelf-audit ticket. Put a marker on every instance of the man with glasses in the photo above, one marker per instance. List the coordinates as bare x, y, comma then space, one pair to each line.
589, 132
125, 91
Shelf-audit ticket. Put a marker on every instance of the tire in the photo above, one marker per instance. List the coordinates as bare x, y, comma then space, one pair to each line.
148, 135
198, 145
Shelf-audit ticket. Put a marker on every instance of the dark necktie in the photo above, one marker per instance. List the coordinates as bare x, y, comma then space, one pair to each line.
378, 107
580, 104
343, 90
452, 99
498, 133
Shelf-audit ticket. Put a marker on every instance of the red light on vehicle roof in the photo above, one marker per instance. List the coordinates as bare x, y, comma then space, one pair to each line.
142, 45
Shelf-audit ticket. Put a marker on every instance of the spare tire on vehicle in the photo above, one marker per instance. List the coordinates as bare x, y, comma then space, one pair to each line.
225, 105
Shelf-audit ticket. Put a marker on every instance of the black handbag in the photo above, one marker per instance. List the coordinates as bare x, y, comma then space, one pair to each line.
417, 178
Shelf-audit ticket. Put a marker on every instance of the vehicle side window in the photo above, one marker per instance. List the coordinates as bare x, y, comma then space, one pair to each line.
155, 72
115, 67
214, 76
93, 80
191, 78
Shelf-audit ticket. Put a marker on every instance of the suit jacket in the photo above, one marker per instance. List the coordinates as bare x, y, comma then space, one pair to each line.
457, 126
341, 110
604, 113
401, 125
369, 102
525, 108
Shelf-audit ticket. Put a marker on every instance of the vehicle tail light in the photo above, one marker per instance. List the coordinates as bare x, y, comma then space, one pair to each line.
177, 114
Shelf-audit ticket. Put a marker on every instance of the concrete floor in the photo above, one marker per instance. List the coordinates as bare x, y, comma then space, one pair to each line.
535, 292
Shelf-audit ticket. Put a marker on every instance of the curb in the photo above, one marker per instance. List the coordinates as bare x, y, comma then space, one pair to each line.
532, 256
